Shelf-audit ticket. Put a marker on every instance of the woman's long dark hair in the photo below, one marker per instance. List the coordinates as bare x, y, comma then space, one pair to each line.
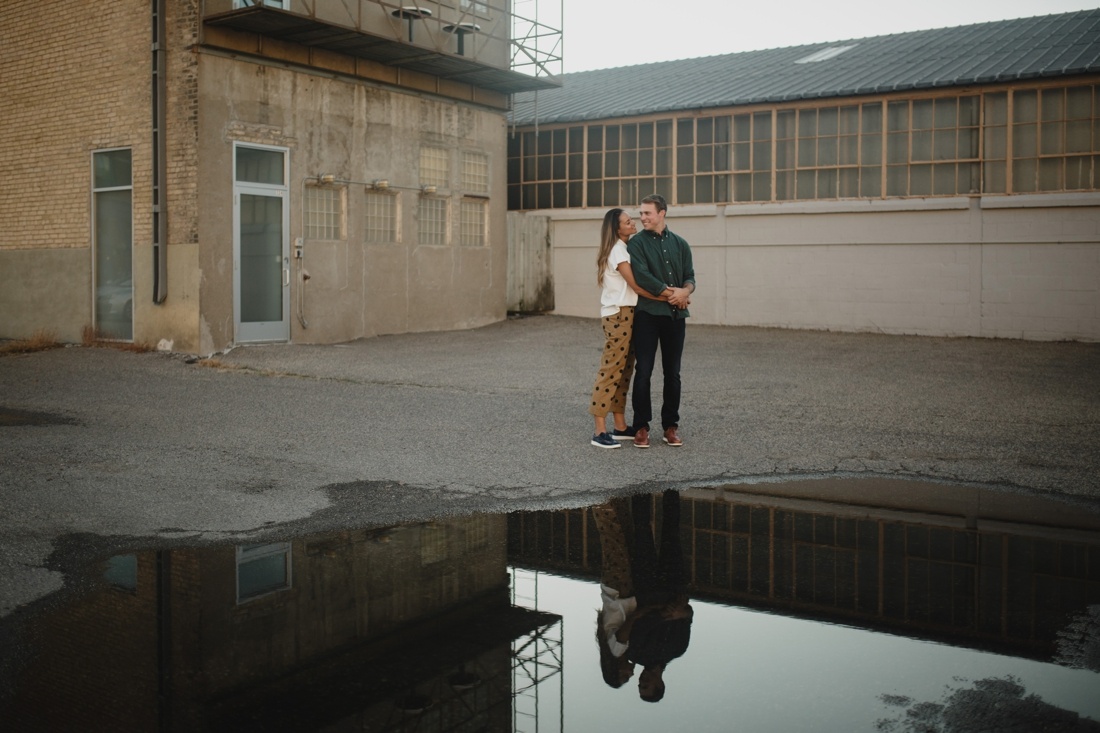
609, 234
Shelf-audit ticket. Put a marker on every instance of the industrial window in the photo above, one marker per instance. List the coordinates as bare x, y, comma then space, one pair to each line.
472, 223
628, 162
1054, 139
262, 569
112, 244
475, 172
121, 572
932, 146
324, 212
703, 160
1025, 140
433, 543
752, 157
432, 216
435, 169
381, 220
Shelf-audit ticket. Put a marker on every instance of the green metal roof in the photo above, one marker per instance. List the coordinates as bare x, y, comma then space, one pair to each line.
1009, 50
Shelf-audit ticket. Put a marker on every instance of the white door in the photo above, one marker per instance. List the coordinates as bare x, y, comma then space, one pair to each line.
261, 245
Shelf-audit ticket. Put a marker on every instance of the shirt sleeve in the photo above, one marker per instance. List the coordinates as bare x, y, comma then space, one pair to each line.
689, 267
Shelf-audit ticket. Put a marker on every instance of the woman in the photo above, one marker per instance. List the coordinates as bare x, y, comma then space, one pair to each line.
618, 295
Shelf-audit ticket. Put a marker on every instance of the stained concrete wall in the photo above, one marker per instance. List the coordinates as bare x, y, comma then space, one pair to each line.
1005, 267
358, 133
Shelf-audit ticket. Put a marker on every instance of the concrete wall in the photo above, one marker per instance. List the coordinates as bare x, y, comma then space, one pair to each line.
1004, 267
357, 132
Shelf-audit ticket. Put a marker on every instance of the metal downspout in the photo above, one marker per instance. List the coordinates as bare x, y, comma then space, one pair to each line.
160, 156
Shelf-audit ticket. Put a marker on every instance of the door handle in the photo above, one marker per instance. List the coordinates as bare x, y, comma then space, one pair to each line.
286, 277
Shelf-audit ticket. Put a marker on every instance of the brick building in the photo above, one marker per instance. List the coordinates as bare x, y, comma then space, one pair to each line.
219, 172
942, 182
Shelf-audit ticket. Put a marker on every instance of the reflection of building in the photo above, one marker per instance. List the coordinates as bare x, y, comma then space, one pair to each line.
938, 182
999, 572
217, 172
354, 630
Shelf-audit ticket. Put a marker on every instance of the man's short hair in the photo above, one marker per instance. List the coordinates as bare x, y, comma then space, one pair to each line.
657, 200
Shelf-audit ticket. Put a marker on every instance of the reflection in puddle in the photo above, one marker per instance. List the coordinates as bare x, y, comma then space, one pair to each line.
814, 606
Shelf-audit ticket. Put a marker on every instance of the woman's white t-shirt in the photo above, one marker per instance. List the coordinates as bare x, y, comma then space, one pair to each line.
616, 293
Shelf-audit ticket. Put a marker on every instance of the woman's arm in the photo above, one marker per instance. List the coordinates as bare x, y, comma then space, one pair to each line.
628, 275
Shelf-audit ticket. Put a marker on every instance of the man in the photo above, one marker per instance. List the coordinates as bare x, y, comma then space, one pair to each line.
661, 261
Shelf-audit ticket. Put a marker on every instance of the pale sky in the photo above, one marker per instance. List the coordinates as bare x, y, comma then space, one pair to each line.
599, 34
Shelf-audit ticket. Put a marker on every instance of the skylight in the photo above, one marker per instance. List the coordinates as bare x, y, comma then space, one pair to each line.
825, 54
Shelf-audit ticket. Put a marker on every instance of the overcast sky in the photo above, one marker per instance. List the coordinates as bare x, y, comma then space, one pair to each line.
599, 34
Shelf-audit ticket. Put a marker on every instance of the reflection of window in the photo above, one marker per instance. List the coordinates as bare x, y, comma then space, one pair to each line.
472, 224
381, 224
262, 569
432, 215
268, 3
434, 167
324, 212
475, 172
479, 7
433, 544
121, 572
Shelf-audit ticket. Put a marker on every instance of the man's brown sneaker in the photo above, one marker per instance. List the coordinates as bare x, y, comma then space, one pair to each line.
641, 438
672, 436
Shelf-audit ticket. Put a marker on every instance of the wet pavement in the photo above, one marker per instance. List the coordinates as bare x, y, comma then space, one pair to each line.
943, 608
107, 453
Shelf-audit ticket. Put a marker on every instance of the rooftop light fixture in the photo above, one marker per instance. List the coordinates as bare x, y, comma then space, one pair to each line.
411, 13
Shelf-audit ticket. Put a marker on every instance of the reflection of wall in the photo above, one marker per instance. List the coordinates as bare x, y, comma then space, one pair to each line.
362, 594
1012, 584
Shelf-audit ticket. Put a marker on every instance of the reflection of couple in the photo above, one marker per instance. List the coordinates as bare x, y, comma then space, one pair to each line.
646, 618
646, 280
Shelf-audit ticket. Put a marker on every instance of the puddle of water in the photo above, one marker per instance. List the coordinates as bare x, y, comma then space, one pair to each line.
848, 606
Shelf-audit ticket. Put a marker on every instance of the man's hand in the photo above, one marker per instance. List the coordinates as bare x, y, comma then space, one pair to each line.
679, 297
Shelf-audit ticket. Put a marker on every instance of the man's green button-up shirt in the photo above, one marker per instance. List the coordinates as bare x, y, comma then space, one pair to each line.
660, 261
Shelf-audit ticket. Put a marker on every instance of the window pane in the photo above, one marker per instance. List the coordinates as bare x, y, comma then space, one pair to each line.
870, 182
1051, 138
324, 212
827, 121
1054, 105
872, 118
1023, 175
1024, 141
922, 114
761, 187
259, 166
112, 168
946, 113
472, 223
1078, 136
996, 109
945, 142
898, 116
381, 223
1078, 172
995, 142
943, 179
920, 180
432, 219
1050, 174
994, 178
871, 152
261, 575
1024, 107
897, 180
435, 165
114, 285
922, 145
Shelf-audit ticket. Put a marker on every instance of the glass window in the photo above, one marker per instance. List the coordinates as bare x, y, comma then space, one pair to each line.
324, 212
475, 172
254, 165
112, 244
435, 167
381, 223
121, 572
262, 569
432, 220
472, 223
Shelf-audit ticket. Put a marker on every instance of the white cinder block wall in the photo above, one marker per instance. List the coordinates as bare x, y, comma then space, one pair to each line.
1001, 267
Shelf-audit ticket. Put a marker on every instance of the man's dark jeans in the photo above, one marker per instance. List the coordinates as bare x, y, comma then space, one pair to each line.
649, 332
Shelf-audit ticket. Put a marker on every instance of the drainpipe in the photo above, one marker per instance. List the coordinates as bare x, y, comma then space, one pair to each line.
160, 157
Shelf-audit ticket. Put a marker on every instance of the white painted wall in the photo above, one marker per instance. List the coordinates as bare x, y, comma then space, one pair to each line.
1002, 267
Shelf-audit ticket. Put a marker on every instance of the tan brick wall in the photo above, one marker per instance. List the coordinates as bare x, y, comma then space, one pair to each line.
73, 82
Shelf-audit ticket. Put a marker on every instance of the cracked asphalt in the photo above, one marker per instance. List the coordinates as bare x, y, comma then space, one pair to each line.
104, 449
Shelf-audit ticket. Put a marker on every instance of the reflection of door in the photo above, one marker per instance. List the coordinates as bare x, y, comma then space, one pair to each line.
261, 247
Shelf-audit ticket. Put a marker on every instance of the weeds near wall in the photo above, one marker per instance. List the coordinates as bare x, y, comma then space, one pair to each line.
42, 340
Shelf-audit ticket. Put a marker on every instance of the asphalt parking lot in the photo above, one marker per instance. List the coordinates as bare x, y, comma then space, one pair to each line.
107, 448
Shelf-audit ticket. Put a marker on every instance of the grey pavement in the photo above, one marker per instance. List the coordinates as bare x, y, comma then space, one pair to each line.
103, 449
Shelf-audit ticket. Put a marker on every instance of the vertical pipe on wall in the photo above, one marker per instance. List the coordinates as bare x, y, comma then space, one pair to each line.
160, 157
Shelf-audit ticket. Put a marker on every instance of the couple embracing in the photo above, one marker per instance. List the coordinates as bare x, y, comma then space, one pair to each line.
646, 280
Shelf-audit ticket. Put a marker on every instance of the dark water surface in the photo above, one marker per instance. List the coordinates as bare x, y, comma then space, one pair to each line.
817, 606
